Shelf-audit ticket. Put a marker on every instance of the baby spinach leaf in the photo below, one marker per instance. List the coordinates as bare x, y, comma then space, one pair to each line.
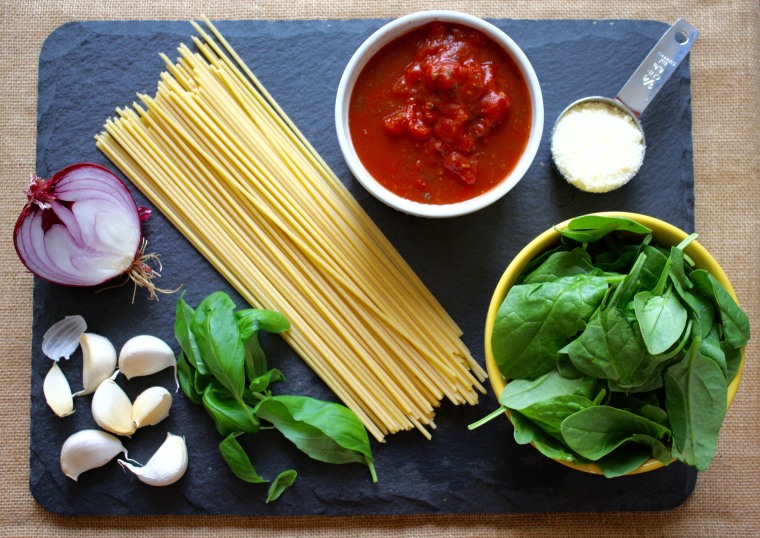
591, 228
596, 431
662, 319
565, 366
653, 267
623, 460
733, 357
521, 393
536, 320
735, 321
282, 482
710, 347
525, 430
548, 414
238, 461
325, 431
230, 416
219, 342
695, 398
608, 348
561, 264
617, 256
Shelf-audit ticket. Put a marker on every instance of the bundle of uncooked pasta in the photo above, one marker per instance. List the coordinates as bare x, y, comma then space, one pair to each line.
217, 156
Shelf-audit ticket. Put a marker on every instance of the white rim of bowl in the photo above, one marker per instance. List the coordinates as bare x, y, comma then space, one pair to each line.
385, 35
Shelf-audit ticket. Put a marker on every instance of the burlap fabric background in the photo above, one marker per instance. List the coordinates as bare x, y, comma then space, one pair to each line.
725, 66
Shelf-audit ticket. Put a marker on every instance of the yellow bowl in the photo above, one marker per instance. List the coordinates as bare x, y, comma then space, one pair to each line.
664, 234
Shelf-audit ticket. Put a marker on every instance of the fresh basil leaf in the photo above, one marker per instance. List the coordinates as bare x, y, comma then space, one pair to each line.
326, 431
536, 320
596, 431
662, 319
186, 377
696, 399
591, 228
228, 414
238, 461
183, 334
255, 360
252, 320
219, 342
282, 482
261, 383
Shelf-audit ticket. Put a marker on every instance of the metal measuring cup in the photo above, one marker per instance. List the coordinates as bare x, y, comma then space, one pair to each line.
645, 82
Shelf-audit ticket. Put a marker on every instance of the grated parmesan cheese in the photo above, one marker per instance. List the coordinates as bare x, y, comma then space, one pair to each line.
597, 147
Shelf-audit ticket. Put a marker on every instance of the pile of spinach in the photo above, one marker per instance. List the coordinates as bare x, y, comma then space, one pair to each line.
617, 349
223, 368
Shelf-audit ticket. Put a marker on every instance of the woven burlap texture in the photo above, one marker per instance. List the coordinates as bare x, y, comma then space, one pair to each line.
725, 66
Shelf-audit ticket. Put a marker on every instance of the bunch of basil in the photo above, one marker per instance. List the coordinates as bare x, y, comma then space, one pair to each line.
223, 367
618, 350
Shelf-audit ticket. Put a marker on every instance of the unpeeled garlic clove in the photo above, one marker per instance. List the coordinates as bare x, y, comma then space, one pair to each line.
88, 449
166, 466
58, 392
146, 355
151, 407
112, 409
98, 361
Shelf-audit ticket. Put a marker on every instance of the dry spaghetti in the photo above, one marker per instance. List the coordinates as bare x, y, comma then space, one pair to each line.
290, 237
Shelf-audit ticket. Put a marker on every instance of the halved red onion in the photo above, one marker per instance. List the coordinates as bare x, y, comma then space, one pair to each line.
81, 227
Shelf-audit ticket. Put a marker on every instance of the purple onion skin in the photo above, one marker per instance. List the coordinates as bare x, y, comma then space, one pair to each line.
53, 201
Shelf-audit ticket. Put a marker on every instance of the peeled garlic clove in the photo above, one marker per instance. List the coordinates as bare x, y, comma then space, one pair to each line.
98, 361
112, 409
62, 338
151, 407
58, 392
166, 466
88, 449
146, 355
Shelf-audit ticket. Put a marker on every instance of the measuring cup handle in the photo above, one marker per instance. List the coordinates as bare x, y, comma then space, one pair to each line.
658, 66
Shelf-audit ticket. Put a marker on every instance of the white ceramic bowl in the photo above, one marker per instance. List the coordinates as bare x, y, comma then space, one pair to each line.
385, 35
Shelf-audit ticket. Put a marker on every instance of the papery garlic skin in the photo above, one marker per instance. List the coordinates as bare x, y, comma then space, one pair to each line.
98, 361
166, 466
151, 407
145, 355
62, 338
58, 392
88, 449
112, 409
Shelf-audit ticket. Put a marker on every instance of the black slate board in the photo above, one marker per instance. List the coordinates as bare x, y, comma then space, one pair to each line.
88, 69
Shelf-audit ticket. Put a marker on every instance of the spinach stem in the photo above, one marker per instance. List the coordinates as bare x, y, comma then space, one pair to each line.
492, 415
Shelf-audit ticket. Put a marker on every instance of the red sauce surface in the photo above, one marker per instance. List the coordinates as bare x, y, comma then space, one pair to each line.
440, 115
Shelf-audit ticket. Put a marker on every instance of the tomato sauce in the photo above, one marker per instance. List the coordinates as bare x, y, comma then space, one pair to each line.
440, 115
